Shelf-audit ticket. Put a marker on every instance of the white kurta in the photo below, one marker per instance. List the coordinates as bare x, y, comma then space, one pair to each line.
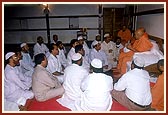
69, 55
62, 58
110, 55
97, 89
14, 87
87, 52
74, 74
55, 65
136, 85
119, 47
41, 49
99, 55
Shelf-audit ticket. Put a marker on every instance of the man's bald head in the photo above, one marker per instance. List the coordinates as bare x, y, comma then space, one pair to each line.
139, 32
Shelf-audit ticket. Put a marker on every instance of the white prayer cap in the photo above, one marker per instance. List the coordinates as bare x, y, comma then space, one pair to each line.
8, 55
97, 34
23, 44
76, 56
139, 62
96, 63
106, 35
80, 38
95, 42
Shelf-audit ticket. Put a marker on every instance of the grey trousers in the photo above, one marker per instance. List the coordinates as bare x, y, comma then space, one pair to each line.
123, 100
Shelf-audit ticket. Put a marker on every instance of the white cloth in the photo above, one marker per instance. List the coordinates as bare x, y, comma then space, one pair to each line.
136, 85
62, 58
54, 65
14, 87
87, 52
99, 55
97, 89
85, 64
106, 47
69, 55
27, 80
74, 74
41, 49
118, 47
27, 65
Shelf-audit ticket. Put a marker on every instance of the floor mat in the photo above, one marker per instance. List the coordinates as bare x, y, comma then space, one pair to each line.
53, 105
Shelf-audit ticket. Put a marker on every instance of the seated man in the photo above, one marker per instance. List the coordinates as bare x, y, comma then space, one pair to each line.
133, 89
44, 85
141, 44
28, 66
54, 65
96, 89
40, 47
158, 89
96, 52
109, 47
14, 89
74, 74
71, 52
79, 49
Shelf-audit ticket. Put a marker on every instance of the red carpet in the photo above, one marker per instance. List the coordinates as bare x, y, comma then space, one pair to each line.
53, 105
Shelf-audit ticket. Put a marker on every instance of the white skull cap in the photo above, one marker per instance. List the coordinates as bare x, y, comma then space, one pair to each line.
96, 63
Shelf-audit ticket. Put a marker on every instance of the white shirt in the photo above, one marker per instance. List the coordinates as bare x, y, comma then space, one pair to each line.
41, 49
118, 47
27, 59
62, 58
99, 55
69, 55
27, 64
110, 55
136, 85
74, 74
87, 52
97, 89
53, 64
14, 87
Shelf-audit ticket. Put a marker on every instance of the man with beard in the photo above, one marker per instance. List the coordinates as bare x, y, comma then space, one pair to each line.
74, 75
14, 89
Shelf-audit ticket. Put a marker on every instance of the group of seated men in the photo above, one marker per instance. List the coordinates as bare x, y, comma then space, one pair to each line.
83, 79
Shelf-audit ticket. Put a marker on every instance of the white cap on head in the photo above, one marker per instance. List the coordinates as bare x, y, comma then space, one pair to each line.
8, 55
97, 34
139, 62
94, 43
76, 56
80, 38
23, 44
106, 35
96, 63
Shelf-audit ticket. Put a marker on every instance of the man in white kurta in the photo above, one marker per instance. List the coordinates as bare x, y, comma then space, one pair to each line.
40, 47
133, 89
61, 55
85, 63
74, 74
14, 88
96, 52
27, 65
109, 47
96, 89
85, 47
54, 65
71, 52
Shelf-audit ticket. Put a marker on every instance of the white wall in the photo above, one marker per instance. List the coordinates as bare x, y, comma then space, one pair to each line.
27, 10
153, 23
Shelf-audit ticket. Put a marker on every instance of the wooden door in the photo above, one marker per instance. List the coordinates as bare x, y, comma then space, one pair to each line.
112, 20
